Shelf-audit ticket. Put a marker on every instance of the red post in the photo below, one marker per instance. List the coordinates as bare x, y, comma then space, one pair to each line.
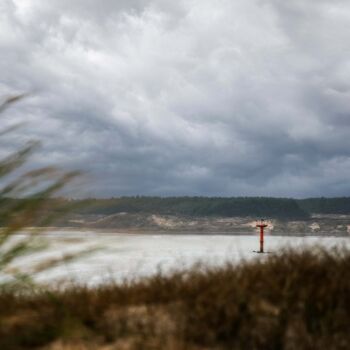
262, 225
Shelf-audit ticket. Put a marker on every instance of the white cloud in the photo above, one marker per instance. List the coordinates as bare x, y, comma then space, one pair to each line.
188, 97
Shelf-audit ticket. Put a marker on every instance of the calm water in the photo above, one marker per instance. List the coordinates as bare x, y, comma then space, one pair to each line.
131, 256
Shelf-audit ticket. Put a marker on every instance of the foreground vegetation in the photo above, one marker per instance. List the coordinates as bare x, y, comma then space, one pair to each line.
25, 200
295, 300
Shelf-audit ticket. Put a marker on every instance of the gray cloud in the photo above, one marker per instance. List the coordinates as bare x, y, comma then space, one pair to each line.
189, 97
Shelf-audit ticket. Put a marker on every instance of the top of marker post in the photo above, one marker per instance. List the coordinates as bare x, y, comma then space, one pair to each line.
261, 223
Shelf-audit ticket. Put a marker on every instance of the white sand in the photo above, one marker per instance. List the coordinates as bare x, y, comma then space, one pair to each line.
135, 255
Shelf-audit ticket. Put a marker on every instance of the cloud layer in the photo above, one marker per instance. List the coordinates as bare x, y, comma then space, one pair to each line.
192, 97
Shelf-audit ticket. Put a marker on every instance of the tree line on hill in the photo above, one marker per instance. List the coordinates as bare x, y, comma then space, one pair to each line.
197, 206
257, 207
262, 207
339, 205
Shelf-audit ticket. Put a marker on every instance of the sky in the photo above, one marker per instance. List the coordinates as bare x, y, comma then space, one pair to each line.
186, 97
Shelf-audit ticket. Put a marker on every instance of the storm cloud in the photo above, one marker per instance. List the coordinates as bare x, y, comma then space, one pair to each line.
191, 97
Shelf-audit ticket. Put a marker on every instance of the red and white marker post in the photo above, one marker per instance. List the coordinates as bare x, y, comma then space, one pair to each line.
262, 226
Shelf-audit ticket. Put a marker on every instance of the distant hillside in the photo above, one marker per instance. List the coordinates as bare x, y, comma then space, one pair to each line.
340, 205
245, 207
279, 208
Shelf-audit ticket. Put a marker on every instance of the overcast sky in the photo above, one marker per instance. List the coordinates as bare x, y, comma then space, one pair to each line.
191, 97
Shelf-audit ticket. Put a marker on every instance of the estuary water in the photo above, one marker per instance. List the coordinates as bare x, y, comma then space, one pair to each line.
117, 256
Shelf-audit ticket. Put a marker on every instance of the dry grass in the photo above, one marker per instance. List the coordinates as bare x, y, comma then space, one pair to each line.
290, 301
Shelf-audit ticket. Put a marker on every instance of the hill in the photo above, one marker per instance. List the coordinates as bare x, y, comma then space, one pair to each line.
279, 208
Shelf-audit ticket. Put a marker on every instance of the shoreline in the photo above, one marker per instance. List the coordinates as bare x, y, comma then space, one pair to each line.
145, 232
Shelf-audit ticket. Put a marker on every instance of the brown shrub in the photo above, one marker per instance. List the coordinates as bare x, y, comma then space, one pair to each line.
294, 300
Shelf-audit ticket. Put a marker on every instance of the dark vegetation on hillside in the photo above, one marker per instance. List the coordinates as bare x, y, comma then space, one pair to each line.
201, 206
340, 205
290, 301
264, 207
273, 208
190, 206
278, 208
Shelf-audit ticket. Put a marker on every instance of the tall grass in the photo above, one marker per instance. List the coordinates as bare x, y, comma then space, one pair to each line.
24, 202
